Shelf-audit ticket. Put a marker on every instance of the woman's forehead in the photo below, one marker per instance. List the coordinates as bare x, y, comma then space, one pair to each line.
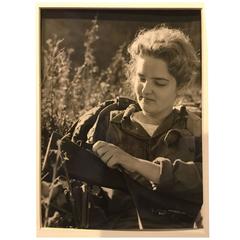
151, 66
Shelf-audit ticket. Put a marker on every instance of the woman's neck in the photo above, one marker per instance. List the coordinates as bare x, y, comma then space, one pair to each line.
156, 119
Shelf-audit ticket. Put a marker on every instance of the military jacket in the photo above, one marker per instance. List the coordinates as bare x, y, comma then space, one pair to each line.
175, 146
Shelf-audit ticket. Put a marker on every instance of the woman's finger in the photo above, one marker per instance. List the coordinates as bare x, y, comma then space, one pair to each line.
101, 147
103, 150
113, 162
106, 157
98, 145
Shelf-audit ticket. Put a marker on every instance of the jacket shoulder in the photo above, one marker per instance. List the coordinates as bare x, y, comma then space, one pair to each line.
194, 123
116, 116
86, 121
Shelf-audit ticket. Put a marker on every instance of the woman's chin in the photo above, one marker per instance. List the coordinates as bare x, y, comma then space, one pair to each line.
148, 112
148, 109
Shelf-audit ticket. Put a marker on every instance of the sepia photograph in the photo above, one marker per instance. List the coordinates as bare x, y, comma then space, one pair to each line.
122, 120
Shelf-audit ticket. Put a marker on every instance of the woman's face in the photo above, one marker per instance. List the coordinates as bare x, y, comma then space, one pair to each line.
155, 87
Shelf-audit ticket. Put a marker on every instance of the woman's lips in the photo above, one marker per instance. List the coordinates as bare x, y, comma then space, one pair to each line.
147, 99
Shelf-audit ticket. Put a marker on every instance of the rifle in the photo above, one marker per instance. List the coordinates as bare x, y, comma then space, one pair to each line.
82, 164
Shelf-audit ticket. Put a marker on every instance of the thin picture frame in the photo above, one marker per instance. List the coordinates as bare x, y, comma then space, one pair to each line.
62, 232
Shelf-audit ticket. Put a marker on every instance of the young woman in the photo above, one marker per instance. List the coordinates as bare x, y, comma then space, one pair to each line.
154, 143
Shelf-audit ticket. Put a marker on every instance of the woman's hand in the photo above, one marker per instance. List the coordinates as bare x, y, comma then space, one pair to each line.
114, 156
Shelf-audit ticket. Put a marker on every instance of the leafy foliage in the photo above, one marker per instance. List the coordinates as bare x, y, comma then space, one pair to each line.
66, 92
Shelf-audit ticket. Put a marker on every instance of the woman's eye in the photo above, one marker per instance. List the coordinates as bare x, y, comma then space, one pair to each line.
161, 84
142, 79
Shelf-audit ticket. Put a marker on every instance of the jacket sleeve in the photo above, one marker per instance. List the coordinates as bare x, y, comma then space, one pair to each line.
179, 176
183, 175
79, 130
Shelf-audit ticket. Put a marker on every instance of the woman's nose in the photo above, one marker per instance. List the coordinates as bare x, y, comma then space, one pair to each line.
147, 87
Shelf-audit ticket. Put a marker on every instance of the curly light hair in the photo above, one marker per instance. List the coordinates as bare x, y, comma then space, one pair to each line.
170, 45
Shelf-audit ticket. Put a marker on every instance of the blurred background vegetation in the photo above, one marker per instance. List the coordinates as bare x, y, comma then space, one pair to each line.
84, 56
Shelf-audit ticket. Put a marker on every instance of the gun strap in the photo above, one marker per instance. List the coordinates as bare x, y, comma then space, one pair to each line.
129, 187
